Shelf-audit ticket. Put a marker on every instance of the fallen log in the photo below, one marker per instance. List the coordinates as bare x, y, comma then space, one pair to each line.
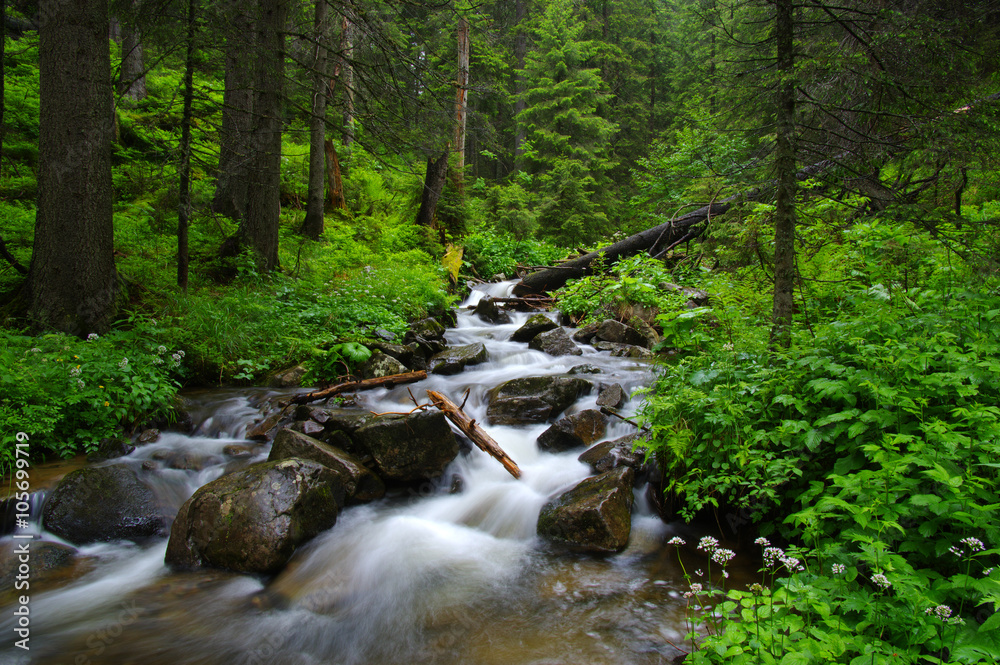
473, 431
365, 384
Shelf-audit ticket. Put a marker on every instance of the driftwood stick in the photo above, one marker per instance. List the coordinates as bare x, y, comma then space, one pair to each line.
366, 384
473, 431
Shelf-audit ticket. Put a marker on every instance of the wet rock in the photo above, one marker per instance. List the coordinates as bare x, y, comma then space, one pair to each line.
585, 369
586, 334
313, 413
308, 427
151, 435
409, 448
379, 364
252, 520
538, 323
347, 420
619, 333
403, 354
360, 484
595, 516
623, 350
189, 461
423, 349
610, 455
647, 331
533, 399
238, 450
427, 329
110, 448
384, 335
46, 558
697, 297
487, 310
264, 430
555, 342
575, 431
96, 504
457, 358
287, 378
612, 396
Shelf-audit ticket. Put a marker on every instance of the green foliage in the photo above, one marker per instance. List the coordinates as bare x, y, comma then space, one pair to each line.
490, 253
335, 361
67, 394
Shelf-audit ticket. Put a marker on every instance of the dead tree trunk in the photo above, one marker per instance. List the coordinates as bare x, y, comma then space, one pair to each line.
437, 172
473, 431
336, 185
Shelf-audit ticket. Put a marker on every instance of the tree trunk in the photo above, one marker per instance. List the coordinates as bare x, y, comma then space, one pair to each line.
461, 103
333, 174
520, 50
258, 231
784, 213
437, 173
132, 76
347, 75
471, 429
72, 285
184, 198
312, 226
237, 115
363, 384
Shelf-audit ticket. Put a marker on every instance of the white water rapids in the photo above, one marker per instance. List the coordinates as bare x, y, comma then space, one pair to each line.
428, 576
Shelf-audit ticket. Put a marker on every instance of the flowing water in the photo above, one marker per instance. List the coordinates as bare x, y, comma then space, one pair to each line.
429, 575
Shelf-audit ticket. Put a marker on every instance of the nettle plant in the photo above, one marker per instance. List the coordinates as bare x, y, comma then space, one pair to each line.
67, 393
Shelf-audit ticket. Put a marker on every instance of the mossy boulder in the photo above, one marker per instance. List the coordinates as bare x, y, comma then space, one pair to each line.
538, 323
409, 448
595, 516
619, 333
575, 431
380, 364
555, 342
454, 360
252, 520
360, 483
610, 455
533, 399
100, 504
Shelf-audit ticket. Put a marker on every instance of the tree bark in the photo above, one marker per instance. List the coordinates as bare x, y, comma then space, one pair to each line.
347, 75
237, 115
312, 226
336, 186
132, 75
366, 384
72, 285
258, 230
461, 103
184, 198
784, 213
437, 173
520, 50
472, 430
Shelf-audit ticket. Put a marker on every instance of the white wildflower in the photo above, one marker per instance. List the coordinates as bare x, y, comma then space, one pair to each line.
176, 357
123, 364
722, 556
973, 544
708, 543
80, 384
36, 350
881, 580
762, 541
161, 349
676, 540
92, 336
838, 568
75, 371
772, 555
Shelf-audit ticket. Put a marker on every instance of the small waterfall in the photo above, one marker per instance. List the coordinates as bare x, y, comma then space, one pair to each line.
432, 576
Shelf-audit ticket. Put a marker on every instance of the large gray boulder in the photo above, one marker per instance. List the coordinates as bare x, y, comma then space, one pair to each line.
613, 396
99, 504
534, 399
487, 310
457, 358
619, 333
538, 323
252, 520
555, 342
575, 431
409, 448
360, 483
595, 516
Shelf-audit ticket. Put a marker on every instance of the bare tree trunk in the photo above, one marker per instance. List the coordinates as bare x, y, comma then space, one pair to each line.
347, 74
237, 115
461, 103
312, 226
184, 199
437, 173
132, 75
784, 213
520, 50
336, 186
258, 231
72, 283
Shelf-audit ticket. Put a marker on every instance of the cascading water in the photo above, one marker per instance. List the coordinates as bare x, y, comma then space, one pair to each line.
430, 576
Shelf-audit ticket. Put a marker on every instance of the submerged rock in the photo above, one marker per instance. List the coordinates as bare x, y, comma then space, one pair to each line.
533, 399
96, 504
579, 429
360, 483
455, 359
595, 516
408, 448
538, 323
252, 520
555, 342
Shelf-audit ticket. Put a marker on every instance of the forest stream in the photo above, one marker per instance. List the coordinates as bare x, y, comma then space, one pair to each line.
442, 573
